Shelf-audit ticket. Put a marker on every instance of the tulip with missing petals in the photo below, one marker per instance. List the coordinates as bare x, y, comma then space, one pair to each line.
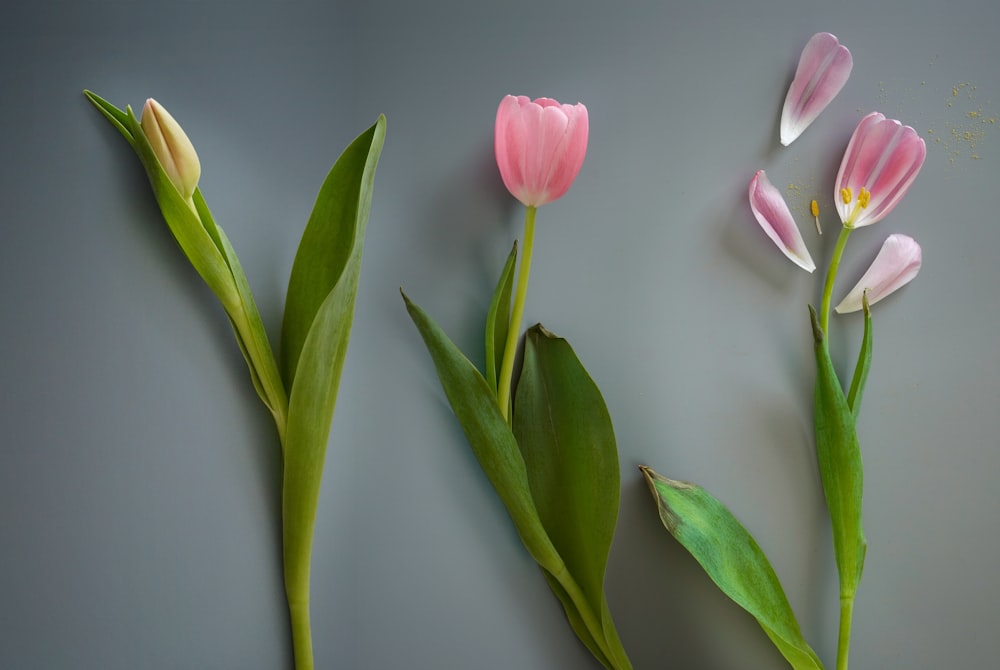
896, 264
881, 161
823, 70
172, 148
540, 146
775, 218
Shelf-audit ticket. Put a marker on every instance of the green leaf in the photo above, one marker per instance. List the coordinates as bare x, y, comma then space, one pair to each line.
117, 117
864, 362
733, 560
212, 256
493, 443
839, 456
565, 434
318, 318
498, 320
576, 620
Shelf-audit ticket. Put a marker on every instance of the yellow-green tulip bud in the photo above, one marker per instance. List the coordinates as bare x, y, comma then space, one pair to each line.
172, 147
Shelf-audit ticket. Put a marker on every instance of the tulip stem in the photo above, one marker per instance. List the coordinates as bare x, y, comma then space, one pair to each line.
517, 312
831, 276
301, 633
844, 641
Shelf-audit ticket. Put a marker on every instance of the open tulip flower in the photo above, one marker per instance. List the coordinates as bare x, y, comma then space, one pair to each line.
823, 70
896, 264
881, 161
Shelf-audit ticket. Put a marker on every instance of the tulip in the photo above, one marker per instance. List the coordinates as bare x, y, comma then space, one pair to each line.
540, 146
774, 217
823, 70
172, 148
896, 264
881, 161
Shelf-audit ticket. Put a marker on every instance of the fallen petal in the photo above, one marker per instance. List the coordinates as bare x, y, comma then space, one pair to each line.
823, 70
897, 263
774, 217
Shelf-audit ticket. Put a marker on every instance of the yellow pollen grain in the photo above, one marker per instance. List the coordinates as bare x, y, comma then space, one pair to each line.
846, 195
864, 197
814, 208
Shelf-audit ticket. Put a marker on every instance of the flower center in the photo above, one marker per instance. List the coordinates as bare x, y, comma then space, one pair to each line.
864, 197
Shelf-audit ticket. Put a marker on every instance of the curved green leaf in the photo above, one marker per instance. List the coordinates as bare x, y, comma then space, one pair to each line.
864, 362
498, 320
493, 443
320, 330
565, 434
839, 457
733, 560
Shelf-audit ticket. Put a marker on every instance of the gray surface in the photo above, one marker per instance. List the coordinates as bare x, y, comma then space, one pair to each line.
139, 486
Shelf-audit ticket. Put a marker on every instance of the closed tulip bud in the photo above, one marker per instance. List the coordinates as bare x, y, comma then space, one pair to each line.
540, 146
172, 148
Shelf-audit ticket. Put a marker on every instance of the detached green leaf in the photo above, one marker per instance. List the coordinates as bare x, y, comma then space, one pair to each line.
733, 560
839, 456
565, 434
498, 320
318, 318
864, 362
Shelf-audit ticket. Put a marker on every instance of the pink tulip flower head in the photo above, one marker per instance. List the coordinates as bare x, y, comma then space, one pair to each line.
897, 263
540, 145
881, 161
823, 70
775, 218
172, 148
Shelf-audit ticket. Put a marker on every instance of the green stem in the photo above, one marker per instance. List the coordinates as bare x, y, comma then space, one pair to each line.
831, 276
844, 642
301, 633
517, 312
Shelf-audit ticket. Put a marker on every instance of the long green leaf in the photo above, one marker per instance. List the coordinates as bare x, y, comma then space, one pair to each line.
498, 320
491, 439
209, 251
565, 434
864, 362
576, 620
321, 332
839, 457
733, 560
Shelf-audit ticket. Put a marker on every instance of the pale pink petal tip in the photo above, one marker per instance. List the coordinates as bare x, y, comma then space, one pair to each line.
896, 264
774, 217
823, 70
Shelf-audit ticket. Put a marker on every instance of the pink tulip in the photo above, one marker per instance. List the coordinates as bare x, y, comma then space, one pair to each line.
881, 161
774, 217
540, 146
823, 70
172, 148
898, 262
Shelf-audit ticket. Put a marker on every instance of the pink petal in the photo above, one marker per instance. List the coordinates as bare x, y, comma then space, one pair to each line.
884, 157
540, 146
897, 263
774, 217
823, 70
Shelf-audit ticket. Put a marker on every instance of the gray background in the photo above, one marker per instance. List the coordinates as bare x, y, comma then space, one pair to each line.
139, 494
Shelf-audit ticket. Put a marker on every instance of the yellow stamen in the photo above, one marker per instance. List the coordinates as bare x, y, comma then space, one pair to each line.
864, 197
814, 208
846, 195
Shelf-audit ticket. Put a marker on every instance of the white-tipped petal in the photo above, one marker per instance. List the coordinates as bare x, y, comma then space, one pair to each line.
774, 217
823, 70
